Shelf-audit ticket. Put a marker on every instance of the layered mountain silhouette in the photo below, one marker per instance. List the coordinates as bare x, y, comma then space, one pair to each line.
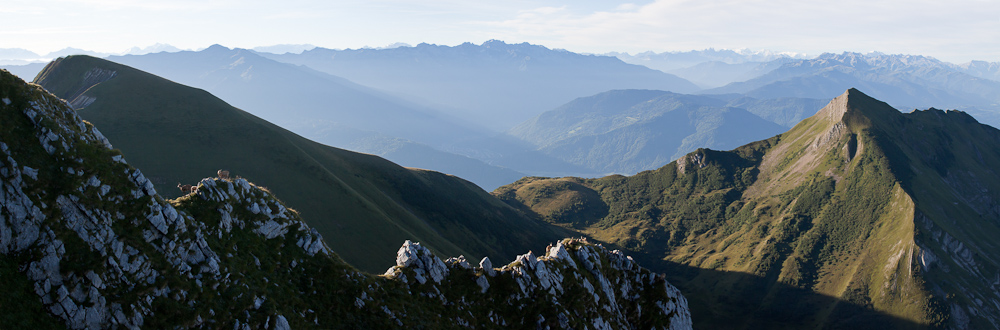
268, 89
982, 69
784, 111
25, 71
717, 73
337, 112
629, 131
87, 243
669, 61
17, 54
364, 205
905, 81
892, 214
711, 68
495, 84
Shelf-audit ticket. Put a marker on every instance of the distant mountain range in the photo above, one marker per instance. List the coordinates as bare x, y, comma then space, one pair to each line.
982, 69
859, 217
24, 54
328, 109
25, 70
711, 67
905, 81
401, 122
629, 131
282, 49
716, 73
668, 61
495, 84
17, 54
297, 97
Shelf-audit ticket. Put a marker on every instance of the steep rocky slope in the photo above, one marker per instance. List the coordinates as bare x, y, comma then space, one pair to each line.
364, 205
860, 216
86, 242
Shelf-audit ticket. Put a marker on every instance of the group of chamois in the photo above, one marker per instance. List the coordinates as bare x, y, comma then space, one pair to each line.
187, 189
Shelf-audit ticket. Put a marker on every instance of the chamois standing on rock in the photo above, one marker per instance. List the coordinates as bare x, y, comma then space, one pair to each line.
186, 189
223, 175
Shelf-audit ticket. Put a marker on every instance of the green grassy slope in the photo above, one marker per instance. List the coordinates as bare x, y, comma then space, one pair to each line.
892, 214
363, 205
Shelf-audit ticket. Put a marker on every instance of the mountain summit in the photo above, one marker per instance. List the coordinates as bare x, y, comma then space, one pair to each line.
858, 216
854, 102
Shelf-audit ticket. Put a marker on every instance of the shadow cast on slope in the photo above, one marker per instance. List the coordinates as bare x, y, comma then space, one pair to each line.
735, 300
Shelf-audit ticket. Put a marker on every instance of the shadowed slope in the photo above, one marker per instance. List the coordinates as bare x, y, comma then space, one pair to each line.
362, 204
326, 109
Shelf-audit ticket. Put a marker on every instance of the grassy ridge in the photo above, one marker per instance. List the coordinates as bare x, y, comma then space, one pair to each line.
363, 205
848, 204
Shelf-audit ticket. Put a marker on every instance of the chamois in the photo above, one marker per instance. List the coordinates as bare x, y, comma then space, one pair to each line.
185, 189
223, 175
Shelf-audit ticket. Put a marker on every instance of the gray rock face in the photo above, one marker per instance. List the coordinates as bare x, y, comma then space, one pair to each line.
280, 323
422, 261
621, 291
487, 266
159, 248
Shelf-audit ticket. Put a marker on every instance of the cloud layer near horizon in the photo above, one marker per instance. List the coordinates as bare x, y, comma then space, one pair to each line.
955, 31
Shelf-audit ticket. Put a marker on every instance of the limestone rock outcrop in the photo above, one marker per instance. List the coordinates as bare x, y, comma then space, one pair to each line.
575, 285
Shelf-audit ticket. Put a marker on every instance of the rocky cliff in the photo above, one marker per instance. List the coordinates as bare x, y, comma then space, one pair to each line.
86, 242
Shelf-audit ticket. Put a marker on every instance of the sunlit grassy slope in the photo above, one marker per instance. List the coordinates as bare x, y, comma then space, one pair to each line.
364, 206
894, 213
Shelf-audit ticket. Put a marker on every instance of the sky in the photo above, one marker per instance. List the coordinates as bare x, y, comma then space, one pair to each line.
955, 31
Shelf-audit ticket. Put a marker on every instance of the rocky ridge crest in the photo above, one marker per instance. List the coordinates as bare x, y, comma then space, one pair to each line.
574, 285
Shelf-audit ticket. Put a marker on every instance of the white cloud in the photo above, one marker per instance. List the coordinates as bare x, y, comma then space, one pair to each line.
955, 30
120, 5
931, 27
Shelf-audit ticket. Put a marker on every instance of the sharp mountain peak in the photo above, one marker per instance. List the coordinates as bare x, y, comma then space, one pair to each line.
856, 108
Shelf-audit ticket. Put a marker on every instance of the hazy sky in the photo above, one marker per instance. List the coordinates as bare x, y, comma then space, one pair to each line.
955, 30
